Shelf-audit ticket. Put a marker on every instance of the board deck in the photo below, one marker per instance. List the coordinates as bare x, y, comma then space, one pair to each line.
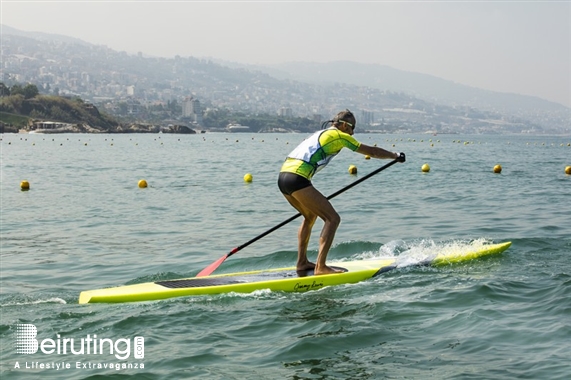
238, 279
281, 279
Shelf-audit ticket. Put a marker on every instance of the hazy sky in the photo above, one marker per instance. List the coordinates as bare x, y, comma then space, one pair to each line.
511, 46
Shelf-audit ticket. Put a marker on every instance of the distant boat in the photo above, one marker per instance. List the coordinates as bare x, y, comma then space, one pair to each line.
237, 128
54, 130
51, 127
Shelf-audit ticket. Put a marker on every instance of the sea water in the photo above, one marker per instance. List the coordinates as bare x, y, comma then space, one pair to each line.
85, 224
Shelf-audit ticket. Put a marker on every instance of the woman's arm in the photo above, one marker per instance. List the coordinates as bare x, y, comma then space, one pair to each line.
376, 152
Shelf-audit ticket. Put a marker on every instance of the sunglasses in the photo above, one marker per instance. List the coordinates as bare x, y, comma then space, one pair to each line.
349, 124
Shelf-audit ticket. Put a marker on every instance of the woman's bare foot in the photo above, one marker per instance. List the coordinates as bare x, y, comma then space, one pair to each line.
307, 265
326, 270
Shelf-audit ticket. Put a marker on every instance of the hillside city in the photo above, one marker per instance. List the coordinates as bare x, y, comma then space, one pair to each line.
197, 92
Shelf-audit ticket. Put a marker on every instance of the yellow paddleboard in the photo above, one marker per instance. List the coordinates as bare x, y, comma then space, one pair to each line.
282, 279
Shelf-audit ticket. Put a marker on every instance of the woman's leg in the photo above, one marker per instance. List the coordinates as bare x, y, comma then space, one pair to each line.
311, 204
303, 234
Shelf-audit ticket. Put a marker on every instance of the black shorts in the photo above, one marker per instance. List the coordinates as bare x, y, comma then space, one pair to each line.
291, 182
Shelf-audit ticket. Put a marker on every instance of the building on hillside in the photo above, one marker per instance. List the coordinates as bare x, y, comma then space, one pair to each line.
367, 117
191, 109
285, 112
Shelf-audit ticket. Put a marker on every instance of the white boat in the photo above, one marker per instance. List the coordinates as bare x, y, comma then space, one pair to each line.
237, 128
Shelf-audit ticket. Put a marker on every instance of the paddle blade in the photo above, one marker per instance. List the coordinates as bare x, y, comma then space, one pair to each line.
212, 267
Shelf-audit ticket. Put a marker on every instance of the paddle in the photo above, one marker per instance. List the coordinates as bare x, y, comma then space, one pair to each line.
212, 267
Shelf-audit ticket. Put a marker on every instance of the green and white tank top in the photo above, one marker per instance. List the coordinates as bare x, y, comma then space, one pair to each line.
317, 150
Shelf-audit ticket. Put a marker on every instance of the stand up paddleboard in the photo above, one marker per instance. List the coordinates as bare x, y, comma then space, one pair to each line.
282, 279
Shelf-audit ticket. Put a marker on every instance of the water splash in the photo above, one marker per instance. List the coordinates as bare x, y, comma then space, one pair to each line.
416, 252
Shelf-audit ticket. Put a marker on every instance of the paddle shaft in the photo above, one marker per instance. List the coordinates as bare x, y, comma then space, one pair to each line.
299, 214
212, 267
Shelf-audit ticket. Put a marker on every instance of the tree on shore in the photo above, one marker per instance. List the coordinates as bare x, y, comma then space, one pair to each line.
4, 90
29, 91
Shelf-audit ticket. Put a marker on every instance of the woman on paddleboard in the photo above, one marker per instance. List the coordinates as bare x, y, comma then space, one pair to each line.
294, 182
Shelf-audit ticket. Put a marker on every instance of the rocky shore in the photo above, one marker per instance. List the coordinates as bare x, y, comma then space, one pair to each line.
85, 128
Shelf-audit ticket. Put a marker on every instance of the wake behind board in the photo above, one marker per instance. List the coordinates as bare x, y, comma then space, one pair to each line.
281, 279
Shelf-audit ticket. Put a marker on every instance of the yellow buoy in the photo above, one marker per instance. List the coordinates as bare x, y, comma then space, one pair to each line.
24, 185
568, 170
142, 184
498, 169
367, 157
248, 177
352, 169
425, 168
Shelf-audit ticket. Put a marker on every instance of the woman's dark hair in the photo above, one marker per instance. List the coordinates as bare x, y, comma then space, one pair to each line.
346, 116
343, 116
